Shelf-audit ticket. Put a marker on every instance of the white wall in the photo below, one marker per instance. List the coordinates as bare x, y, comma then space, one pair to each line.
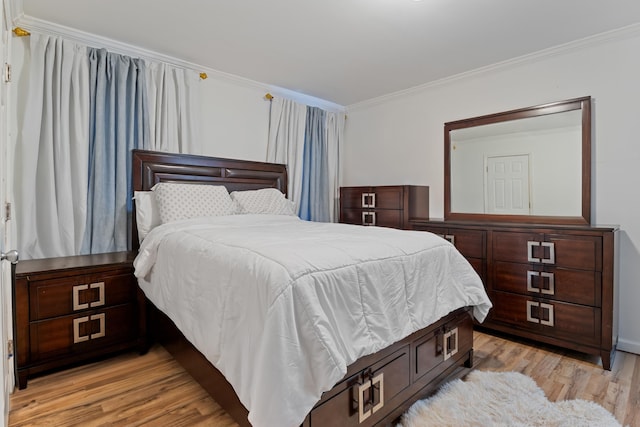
399, 139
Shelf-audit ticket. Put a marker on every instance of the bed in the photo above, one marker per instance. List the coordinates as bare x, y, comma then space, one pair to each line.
293, 355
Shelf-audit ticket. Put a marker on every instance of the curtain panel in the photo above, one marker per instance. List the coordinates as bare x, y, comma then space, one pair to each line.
309, 141
86, 109
172, 96
286, 142
118, 123
51, 157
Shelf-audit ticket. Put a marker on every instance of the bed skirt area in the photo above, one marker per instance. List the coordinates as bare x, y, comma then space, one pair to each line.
377, 388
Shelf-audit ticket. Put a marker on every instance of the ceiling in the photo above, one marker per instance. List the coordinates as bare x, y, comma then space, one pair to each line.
343, 51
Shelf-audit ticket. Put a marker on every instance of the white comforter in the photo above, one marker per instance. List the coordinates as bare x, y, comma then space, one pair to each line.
282, 306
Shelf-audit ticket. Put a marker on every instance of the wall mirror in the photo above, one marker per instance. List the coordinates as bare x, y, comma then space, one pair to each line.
528, 165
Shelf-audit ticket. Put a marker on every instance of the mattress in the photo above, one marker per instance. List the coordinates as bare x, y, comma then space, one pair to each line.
282, 306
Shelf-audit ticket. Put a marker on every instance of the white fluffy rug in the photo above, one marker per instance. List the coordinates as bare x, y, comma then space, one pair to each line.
502, 399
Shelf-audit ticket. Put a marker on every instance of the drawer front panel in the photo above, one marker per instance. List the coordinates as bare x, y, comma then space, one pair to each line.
568, 251
571, 322
430, 350
351, 197
343, 408
52, 298
576, 286
388, 197
381, 218
371, 197
470, 243
55, 337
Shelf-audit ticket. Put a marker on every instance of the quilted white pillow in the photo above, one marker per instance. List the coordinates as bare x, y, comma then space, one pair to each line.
264, 201
184, 201
147, 215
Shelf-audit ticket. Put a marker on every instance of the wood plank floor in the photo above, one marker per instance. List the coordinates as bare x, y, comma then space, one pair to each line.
153, 390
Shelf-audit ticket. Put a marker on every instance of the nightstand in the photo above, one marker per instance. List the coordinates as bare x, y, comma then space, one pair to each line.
70, 310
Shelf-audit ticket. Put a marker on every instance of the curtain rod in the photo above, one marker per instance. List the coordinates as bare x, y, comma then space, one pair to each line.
21, 32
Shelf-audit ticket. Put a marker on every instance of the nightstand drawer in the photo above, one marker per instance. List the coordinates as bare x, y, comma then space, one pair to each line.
59, 297
68, 334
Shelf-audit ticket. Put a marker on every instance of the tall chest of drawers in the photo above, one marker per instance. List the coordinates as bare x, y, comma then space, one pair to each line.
553, 284
72, 309
386, 206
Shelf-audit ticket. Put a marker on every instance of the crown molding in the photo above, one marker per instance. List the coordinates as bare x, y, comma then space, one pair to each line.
46, 27
617, 34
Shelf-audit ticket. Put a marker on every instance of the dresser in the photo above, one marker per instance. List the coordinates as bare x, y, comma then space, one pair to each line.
72, 309
553, 284
385, 206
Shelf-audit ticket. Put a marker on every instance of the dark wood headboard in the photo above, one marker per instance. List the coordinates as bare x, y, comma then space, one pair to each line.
150, 167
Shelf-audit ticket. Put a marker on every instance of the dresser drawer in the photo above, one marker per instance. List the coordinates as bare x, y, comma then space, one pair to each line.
569, 251
76, 333
59, 297
389, 197
470, 243
570, 322
576, 286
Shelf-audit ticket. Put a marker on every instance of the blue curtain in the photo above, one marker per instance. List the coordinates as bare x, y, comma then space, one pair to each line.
118, 124
314, 201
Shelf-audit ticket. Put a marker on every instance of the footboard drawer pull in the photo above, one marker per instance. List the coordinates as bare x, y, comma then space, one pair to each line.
450, 341
377, 383
362, 414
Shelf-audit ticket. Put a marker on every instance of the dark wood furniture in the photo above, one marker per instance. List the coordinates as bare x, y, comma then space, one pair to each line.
550, 283
410, 368
386, 206
72, 309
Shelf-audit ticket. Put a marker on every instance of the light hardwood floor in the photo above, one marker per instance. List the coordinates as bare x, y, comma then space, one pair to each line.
153, 390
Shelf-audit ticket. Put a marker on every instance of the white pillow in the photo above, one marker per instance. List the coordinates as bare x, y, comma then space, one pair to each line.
264, 201
147, 215
184, 201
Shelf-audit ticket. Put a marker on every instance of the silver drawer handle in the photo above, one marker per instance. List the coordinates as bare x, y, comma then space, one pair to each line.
534, 244
377, 383
77, 338
530, 246
530, 276
368, 218
450, 343
548, 307
76, 296
379, 380
552, 253
368, 200
551, 290
362, 414
76, 330
543, 306
530, 317
100, 287
101, 332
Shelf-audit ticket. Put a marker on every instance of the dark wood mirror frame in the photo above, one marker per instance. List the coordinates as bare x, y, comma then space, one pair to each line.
583, 104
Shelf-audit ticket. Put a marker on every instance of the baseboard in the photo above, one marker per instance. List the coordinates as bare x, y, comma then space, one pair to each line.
628, 346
